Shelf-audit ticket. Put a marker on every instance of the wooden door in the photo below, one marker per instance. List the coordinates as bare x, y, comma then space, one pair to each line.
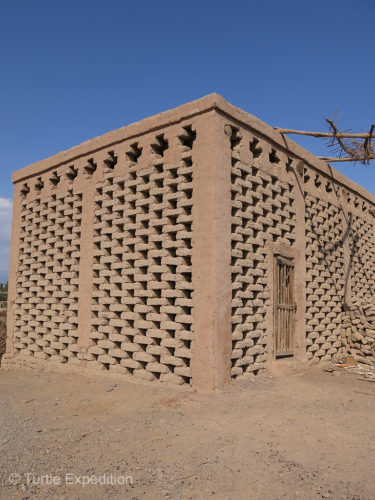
284, 306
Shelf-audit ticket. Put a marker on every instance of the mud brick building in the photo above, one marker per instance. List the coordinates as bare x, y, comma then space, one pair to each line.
193, 247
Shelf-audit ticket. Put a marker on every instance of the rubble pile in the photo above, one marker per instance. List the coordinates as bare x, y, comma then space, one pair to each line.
358, 331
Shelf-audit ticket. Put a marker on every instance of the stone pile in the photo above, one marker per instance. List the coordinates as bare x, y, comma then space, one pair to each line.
358, 331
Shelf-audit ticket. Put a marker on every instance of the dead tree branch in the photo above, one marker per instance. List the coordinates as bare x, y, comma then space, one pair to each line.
357, 147
362, 151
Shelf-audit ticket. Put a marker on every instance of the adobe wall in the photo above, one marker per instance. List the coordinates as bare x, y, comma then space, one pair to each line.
285, 201
149, 251
104, 243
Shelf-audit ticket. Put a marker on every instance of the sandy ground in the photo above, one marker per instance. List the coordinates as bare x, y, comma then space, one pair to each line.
304, 436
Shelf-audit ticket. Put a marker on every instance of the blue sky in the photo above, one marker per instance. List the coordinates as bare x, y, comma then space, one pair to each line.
70, 71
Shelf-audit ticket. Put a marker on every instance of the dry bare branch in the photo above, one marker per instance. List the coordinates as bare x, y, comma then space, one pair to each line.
357, 147
362, 151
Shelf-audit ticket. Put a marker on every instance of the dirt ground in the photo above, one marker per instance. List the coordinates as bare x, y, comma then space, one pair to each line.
308, 435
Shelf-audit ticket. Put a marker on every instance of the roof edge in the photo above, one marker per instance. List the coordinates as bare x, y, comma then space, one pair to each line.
180, 113
119, 135
254, 123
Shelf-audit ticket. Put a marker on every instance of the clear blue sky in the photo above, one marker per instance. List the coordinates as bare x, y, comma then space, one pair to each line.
74, 70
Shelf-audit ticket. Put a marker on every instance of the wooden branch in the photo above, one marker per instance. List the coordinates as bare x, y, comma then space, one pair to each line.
326, 158
321, 134
347, 158
361, 151
366, 144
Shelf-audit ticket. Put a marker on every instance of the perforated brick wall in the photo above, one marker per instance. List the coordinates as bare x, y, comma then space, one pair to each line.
362, 258
263, 210
142, 321
46, 312
324, 278
358, 319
